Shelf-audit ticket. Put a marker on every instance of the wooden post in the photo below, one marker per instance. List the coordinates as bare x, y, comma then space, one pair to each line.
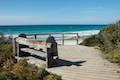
63, 39
51, 52
77, 38
14, 46
49, 35
35, 36
49, 58
18, 49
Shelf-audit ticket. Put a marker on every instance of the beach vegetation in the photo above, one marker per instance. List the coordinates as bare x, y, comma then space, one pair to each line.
91, 41
108, 40
13, 69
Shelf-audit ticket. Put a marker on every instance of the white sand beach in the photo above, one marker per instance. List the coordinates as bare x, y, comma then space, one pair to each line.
69, 42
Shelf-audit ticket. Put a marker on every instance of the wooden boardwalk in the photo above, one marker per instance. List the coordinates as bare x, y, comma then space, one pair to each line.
83, 63
77, 62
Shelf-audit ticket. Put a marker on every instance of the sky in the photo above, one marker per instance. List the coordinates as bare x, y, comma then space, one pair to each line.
23, 12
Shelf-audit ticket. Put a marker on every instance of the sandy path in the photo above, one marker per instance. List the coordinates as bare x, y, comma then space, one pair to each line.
84, 63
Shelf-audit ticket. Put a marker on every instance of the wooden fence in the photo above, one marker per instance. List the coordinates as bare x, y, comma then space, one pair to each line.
62, 36
44, 49
34, 44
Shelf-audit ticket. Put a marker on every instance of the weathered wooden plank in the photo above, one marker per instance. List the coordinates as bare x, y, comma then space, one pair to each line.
48, 34
14, 46
18, 49
33, 43
62, 39
35, 46
77, 38
34, 52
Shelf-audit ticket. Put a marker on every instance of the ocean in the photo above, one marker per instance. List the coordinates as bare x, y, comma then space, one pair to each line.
31, 29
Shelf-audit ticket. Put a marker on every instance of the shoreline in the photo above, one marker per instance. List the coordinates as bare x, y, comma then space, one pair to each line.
69, 39
81, 33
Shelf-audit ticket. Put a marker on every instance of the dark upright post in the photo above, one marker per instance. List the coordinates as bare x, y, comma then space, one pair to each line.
49, 58
51, 52
35, 36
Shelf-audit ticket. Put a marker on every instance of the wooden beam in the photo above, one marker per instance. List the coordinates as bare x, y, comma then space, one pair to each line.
18, 49
49, 35
35, 36
77, 38
39, 48
34, 52
14, 46
32, 43
62, 39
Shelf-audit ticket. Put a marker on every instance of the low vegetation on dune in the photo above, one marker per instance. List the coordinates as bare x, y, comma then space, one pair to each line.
108, 40
11, 69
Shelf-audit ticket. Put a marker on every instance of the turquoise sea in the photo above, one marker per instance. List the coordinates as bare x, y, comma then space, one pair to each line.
82, 29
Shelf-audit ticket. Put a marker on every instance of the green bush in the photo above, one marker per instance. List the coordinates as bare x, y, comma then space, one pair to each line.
91, 41
114, 57
42, 73
52, 77
5, 53
11, 69
5, 40
23, 71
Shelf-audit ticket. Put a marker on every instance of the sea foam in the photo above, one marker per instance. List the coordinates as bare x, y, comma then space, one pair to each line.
59, 36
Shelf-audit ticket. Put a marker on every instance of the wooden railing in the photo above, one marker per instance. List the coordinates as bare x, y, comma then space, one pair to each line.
34, 44
62, 36
44, 49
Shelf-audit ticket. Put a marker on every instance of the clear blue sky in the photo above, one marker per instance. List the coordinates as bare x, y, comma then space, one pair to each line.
59, 11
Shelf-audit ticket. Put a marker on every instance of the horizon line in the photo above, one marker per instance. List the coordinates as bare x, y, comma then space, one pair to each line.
46, 24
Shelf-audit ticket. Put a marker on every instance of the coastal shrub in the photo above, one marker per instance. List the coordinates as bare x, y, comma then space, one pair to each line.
5, 40
52, 77
11, 69
2, 38
113, 56
108, 40
24, 71
18, 71
42, 73
5, 54
91, 41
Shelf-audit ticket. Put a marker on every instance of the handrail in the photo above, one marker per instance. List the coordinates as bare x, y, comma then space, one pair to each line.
50, 33
62, 33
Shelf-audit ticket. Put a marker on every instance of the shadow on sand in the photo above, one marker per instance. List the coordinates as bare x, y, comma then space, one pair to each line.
39, 57
61, 62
